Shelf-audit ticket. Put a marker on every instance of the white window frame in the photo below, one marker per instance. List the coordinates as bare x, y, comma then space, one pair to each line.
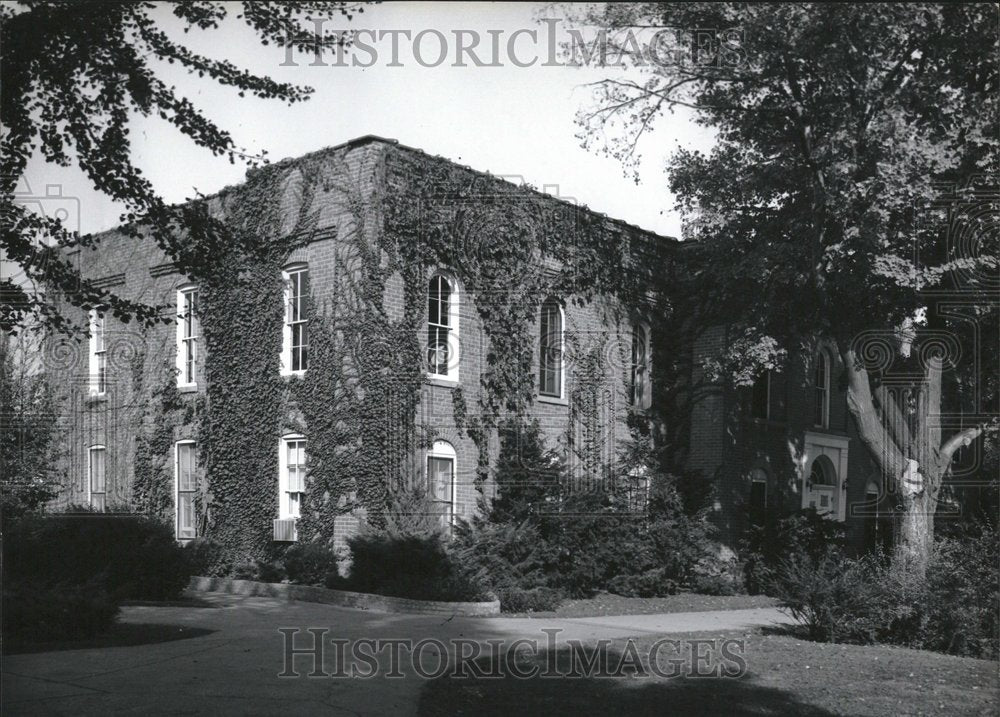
184, 307
823, 360
177, 491
646, 399
452, 373
287, 507
98, 364
442, 450
90, 475
286, 325
562, 352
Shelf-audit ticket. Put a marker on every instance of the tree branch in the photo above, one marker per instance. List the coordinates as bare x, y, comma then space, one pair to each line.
964, 438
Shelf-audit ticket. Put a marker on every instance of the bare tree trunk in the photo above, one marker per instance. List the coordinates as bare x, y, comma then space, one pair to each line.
913, 463
914, 535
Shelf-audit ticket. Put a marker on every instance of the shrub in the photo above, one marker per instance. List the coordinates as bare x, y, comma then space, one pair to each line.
410, 566
270, 571
206, 557
135, 558
964, 589
539, 599
652, 583
309, 563
804, 536
245, 569
539, 533
952, 608
39, 611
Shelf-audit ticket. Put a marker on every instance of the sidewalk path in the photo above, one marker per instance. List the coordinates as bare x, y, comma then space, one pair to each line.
234, 668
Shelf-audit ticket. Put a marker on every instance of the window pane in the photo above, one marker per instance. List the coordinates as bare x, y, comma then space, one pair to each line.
186, 463
102, 372
440, 474
97, 470
99, 333
550, 349
185, 515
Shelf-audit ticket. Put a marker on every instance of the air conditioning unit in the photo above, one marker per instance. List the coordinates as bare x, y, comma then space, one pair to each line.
284, 530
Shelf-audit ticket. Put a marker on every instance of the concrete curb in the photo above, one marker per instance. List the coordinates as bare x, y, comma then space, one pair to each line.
344, 598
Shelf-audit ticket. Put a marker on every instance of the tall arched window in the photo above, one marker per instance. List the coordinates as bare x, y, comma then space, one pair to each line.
550, 350
821, 384
441, 480
640, 393
440, 344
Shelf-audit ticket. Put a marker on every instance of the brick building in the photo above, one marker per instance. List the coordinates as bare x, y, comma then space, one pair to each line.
210, 419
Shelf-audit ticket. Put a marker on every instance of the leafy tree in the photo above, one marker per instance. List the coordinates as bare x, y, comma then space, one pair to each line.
29, 477
820, 210
73, 73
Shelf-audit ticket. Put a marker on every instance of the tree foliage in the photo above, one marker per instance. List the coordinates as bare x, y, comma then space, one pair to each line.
851, 193
73, 76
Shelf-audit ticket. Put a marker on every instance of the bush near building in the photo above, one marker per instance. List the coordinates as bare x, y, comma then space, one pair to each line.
952, 608
66, 574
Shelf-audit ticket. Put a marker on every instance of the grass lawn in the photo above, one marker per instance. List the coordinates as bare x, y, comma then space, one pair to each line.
784, 675
608, 604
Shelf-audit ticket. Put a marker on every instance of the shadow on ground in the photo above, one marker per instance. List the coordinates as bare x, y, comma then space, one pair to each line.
562, 694
121, 635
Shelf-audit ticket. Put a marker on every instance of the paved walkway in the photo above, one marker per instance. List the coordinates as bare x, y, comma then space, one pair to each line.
233, 664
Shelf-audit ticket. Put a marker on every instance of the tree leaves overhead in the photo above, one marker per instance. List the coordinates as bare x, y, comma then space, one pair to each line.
73, 73
836, 127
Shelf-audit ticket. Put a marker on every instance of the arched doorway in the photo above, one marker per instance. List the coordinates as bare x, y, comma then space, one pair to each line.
821, 486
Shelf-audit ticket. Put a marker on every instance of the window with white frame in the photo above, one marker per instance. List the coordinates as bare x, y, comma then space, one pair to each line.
295, 334
550, 350
441, 481
98, 354
292, 479
188, 330
96, 479
442, 328
185, 478
821, 384
640, 394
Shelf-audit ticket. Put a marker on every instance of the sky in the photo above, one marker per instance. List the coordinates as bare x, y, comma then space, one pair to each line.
513, 121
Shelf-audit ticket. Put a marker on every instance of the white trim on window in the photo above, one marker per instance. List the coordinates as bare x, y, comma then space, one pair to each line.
545, 387
295, 326
188, 333
97, 477
185, 491
442, 457
443, 355
292, 475
98, 364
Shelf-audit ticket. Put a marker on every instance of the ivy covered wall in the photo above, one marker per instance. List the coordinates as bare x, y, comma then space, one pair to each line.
374, 221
